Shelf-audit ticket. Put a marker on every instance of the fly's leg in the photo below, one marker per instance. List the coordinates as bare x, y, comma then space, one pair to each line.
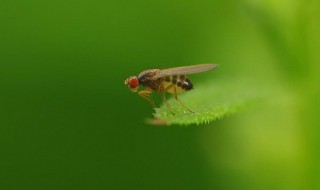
146, 95
176, 97
163, 91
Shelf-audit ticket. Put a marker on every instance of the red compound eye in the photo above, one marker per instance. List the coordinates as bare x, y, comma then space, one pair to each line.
133, 82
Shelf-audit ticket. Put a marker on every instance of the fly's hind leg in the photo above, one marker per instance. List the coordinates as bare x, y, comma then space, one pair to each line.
176, 97
164, 90
146, 95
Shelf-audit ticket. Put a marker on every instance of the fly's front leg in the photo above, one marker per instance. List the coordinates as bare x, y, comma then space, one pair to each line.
176, 97
146, 95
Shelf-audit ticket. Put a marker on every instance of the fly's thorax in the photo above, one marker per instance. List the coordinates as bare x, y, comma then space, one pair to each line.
146, 78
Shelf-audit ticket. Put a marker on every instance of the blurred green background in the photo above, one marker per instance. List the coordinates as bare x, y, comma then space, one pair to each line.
68, 122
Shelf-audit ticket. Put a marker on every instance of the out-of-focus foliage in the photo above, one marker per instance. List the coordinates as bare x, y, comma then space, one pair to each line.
67, 121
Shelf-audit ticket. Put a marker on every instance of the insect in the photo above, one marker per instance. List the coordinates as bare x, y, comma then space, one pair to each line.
172, 80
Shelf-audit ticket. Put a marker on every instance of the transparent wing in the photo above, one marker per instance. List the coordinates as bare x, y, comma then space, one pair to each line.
186, 70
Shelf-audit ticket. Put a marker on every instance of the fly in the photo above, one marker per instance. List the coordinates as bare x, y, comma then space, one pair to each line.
172, 80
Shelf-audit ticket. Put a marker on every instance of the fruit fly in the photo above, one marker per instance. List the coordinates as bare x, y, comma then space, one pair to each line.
172, 80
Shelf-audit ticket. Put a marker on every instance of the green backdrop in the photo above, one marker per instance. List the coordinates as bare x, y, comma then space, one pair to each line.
67, 121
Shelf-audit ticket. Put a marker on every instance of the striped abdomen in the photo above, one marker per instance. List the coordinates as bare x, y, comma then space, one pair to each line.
181, 82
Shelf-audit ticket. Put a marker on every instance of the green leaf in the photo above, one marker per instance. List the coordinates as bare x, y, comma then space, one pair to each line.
210, 101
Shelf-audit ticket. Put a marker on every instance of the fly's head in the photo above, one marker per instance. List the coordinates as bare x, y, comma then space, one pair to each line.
132, 83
